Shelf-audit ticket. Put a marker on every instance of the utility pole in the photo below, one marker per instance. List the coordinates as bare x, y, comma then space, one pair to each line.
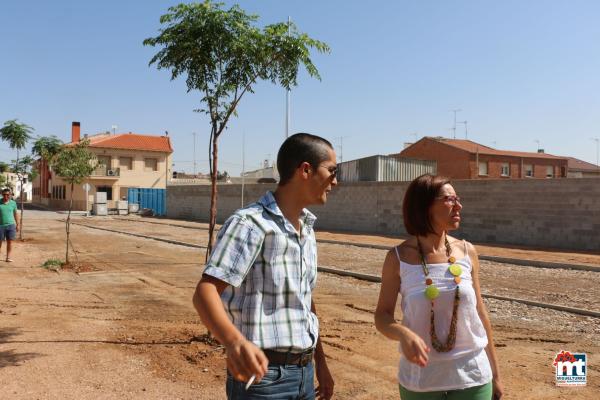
243, 164
341, 139
194, 162
454, 127
287, 98
597, 140
466, 132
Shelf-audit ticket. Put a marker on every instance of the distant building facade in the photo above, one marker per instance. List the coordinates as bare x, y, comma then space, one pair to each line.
465, 159
13, 183
383, 169
126, 160
582, 169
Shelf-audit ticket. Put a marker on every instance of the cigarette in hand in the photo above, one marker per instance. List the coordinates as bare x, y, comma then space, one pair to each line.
250, 381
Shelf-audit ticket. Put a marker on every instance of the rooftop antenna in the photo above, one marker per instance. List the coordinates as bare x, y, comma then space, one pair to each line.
194, 135
466, 131
538, 144
287, 96
454, 127
114, 128
597, 140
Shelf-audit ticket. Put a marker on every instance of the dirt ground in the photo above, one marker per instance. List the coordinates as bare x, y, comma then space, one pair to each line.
123, 327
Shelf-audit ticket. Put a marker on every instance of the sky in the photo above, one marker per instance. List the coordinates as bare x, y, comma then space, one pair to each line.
523, 74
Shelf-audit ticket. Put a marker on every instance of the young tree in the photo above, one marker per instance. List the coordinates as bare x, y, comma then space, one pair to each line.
73, 164
223, 55
44, 149
25, 173
17, 135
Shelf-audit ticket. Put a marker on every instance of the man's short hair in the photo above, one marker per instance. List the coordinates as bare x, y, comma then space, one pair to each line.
299, 148
419, 197
6, 190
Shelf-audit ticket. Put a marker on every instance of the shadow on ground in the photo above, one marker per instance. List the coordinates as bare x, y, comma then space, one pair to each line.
11, 358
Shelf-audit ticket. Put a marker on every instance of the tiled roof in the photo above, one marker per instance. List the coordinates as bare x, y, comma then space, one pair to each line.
473, 147
132, 141
580, 165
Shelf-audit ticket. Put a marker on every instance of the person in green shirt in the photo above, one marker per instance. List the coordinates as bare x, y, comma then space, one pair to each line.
9, 222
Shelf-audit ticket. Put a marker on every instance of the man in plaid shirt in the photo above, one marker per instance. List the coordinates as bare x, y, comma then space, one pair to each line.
255, 294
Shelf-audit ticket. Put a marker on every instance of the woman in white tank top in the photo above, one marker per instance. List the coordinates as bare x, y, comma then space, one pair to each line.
445, 336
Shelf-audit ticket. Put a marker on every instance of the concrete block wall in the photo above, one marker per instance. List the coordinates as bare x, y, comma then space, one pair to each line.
556, 213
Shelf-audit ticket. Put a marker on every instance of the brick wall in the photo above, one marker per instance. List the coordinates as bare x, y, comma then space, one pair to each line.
460, 164
559, 213
451, 162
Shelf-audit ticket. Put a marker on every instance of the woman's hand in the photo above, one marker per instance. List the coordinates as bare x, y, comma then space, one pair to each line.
414, 348
498, 389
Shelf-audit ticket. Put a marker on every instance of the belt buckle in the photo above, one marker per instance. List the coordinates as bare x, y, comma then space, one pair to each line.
305, 359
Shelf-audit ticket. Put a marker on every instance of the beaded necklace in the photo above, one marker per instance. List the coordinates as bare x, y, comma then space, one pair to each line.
431, 292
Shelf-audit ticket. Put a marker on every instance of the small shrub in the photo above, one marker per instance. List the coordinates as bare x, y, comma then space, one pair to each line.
53, 264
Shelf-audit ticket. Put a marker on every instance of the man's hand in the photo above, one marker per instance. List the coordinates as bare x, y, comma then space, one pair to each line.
245, 359
324, 390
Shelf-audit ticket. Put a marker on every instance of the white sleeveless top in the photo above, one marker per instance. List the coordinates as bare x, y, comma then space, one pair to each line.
466, 365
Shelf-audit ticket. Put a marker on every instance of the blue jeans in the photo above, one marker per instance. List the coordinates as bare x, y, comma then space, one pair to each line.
289, 382
8, 232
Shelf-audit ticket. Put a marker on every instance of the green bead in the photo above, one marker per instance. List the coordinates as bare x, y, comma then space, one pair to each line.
431, 292
455, 269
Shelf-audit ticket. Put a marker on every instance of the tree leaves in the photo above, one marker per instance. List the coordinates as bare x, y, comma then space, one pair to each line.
74, 163
223, 54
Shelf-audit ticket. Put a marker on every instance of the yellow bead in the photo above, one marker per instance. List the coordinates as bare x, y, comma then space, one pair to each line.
452, 260
455, 269
432, 292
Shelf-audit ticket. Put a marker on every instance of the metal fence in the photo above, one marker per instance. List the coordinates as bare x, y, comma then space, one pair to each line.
155, 199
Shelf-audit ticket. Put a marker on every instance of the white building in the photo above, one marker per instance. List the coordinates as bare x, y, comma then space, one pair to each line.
15, 184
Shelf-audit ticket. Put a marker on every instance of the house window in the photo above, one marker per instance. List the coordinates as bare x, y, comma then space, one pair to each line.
528, 168
483, 168
150, 164
505, 169
103, 165
126, 163
107, 189
549, 171
59, 192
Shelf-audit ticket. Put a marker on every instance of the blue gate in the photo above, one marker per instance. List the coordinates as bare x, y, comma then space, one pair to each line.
154, 199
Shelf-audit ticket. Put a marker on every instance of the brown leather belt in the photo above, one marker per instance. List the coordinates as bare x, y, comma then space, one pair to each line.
301, 359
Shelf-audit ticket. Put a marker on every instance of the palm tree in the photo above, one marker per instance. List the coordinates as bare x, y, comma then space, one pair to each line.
45, 148
17, 135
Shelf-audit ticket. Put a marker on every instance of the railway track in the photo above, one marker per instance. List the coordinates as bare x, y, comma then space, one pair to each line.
365, 277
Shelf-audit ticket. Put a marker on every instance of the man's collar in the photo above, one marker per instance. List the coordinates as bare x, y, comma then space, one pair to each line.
270, 204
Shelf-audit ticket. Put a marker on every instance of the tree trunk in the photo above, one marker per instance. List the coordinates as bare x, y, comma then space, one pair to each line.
20, 194
213, 196
22, 207
68, 225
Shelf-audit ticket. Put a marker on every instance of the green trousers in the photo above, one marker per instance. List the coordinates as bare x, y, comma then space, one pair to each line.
483, 392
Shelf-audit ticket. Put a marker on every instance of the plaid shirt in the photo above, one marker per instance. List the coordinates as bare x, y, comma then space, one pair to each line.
271, 270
